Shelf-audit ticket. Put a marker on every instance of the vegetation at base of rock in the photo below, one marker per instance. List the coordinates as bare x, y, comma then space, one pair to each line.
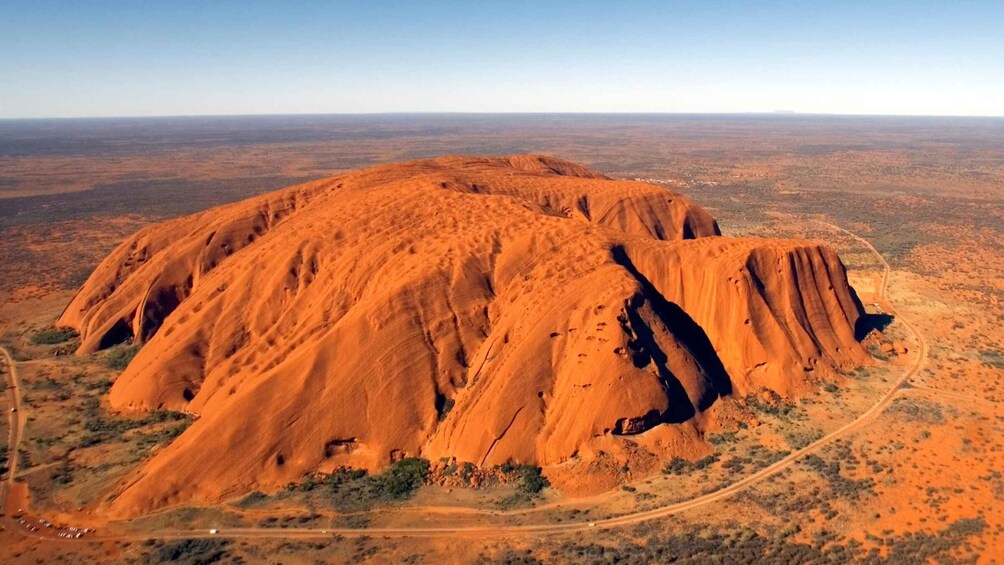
779, 408
402, 479
680, 466
530, 480
722, 438
54, 336
101, 429
349, 490
354, 489
119, 358
529, 483
252, 498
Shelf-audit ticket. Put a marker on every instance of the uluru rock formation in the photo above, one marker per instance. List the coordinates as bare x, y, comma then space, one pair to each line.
492, 309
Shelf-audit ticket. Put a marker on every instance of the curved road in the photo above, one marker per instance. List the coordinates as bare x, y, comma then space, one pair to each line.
627, 519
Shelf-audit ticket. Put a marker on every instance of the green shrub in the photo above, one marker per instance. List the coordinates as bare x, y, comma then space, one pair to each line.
189, 551
992, 357
101, 429
467, 471
102, 386
350, 490
531, 481
722, 438
679, 466
118, 359
62, 474
779, 409
54, 336
401, 480
252, 498
343, 476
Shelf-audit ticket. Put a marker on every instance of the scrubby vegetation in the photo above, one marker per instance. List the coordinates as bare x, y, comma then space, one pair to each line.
680, 466
120, 357
62, 474
841, 485
401, 480
875, 351
54, 336
757, 457
252, 498
101, 429
354, 489
722, 438
778, 407
188, 551
531, 481
992, 357
350, 490
750, 546
77, 447
510, 557
918, 410
528, 485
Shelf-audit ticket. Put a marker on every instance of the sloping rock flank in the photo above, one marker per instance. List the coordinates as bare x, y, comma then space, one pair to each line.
492, 309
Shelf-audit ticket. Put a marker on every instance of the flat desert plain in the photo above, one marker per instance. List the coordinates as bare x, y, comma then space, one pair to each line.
175, 386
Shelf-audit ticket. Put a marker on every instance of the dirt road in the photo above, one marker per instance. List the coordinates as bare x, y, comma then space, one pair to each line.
16, 423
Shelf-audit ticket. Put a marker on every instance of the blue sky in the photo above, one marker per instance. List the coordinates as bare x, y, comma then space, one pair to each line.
103, 58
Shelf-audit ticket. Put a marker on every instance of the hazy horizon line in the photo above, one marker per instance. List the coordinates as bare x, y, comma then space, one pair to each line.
775, 113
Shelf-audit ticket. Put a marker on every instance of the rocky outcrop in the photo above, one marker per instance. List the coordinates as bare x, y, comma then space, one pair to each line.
519, 309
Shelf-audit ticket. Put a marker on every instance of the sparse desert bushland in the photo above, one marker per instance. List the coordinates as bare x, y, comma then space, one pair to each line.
401, 479
354, 489
529, 484
747, 545
102, 428
680, 466
944, 245
54, 336
190, 551
252, 498
120, 357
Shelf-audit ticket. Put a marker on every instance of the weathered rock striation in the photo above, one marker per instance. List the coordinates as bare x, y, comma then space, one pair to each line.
493, 309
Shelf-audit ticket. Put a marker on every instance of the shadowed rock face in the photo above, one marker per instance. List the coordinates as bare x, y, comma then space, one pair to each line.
492, 309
